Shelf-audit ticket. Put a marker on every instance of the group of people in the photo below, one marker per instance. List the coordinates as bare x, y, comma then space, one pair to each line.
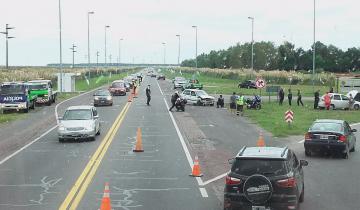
237, 103
290, 97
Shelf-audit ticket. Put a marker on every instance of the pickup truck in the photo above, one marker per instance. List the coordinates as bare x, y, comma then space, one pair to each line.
16, 96
192, 84
43, 90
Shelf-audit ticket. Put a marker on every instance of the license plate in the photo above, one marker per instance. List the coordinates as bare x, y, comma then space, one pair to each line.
324, 136
102, 101
259, 208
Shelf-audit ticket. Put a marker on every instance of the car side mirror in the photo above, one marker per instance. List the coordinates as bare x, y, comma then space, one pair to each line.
304, 163
231, 161
353, 130
96, 117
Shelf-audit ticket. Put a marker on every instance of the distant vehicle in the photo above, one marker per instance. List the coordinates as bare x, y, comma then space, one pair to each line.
103, 97
179, 82
79, 122
330, 135
265, 178
117, 87
16, 96
249, 84
153, 75
161, 77
198, 97
43, 89
192, 84
355, 94
338, 101
128, 85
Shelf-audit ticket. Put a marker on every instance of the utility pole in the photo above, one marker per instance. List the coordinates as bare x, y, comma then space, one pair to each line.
121, 39
196, 45
178, 35
252, 42
106, 27
313, 73
73, 55
88, 22
97, 59
164, 45
7, 28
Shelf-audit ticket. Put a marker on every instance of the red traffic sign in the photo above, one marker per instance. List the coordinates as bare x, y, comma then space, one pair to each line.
260, 83
289, 116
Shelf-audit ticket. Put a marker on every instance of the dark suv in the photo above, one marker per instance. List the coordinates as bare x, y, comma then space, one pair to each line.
264, 178
249, 84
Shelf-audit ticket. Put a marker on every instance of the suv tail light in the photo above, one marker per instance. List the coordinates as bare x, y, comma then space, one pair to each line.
287, 183
342, 138
307, 136
232, 181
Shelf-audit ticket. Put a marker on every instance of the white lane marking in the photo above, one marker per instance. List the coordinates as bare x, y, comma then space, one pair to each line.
355, 124
203, 192
26, 146
160, 88
215, 179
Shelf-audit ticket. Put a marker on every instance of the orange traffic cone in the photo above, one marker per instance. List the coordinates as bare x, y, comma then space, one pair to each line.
261, 142
130, 98
196, 172
138, 145
105, 202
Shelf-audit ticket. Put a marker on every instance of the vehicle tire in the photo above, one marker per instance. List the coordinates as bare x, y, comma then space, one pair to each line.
92, 138
198, 103
346, 154
49, 103
33, 105
301, 198
98, 133
27, 109
332, 107
111, 104
211, 104
307, 153
258, 107
356, 107
61, 140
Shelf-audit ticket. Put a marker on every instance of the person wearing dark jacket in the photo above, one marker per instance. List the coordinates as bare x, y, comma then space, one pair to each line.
174, 97
220, 102
290, 97
281, 96
299, 101
148, 95
316, 99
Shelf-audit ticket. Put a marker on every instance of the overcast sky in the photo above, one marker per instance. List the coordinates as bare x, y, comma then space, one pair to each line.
145, 24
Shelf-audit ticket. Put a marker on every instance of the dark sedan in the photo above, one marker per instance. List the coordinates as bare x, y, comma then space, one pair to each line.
161, 77
330, 136
103, 98
248, 84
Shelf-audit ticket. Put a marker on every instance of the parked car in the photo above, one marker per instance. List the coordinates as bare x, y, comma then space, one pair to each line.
265, 178
198, 97
103, 97
161, 76
192, 84
117, 88
330, 136
338, 101
179, 82
153, 75
249, 84
79, 122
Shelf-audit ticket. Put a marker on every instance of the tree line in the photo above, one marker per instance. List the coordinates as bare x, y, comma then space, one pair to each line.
268, 56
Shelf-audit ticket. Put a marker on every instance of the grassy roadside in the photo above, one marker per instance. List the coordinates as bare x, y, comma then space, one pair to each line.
271, 118
213, 85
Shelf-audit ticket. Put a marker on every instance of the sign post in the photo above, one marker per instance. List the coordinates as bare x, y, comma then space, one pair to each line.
260, 83
289, 117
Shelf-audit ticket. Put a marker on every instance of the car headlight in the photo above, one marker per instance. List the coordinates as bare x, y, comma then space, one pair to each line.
61, 128
96, 98
109, 98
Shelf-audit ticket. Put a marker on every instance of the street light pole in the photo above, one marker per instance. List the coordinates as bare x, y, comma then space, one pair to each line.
164, 44
60, 43
97, 60
88, 22
105, 44
120, 51
73, 55
313, 82
252, 42
178, 35
196, 45
7, 37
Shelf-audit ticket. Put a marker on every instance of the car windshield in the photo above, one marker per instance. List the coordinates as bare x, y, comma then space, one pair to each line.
250, 167
201, 93
102, 93
37, 86
117, 85
77, 114
12, 89
327, 127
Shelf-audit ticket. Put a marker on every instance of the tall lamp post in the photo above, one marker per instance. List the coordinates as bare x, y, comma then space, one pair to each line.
196, 44
60, 50
106, 27
73, 55
97, 59
7, 28
121, 39
313, 76
178, 35
88, 22
164, 45
252, 42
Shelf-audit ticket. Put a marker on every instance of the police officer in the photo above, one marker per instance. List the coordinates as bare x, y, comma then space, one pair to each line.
174, 97
240, 105
148, 95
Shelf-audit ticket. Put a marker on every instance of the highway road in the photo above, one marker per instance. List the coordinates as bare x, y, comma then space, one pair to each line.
52, 175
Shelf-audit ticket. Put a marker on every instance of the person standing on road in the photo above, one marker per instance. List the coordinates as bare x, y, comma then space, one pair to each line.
299, 101
134, 87
220, 102
316, 99
174, 97
327, 100
148, 95
290, 97
233, 102
240, 105
351, 101
281, 96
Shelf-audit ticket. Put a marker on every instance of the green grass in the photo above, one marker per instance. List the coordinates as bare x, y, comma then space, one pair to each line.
4, 118
271, 117
213, 85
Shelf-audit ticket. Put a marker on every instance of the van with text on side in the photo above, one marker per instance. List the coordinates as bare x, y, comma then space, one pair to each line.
16, 96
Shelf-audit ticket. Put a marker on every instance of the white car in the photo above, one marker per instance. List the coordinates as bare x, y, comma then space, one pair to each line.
179, 82
338, 101
79, 122
198, 97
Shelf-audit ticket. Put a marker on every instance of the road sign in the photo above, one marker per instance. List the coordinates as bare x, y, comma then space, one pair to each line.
289, 116
260, 83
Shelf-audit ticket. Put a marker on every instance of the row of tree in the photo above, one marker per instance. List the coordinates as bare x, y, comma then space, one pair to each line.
267, 56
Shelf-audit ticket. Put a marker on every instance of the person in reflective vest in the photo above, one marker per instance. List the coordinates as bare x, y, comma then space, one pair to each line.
240, 101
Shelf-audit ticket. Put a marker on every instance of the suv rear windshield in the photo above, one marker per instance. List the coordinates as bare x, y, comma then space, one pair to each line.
327, 126
248, 167
117, 85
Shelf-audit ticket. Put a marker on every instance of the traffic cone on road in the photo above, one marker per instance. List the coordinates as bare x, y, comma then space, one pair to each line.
105, 202
138, 144
261, 142
196, 172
